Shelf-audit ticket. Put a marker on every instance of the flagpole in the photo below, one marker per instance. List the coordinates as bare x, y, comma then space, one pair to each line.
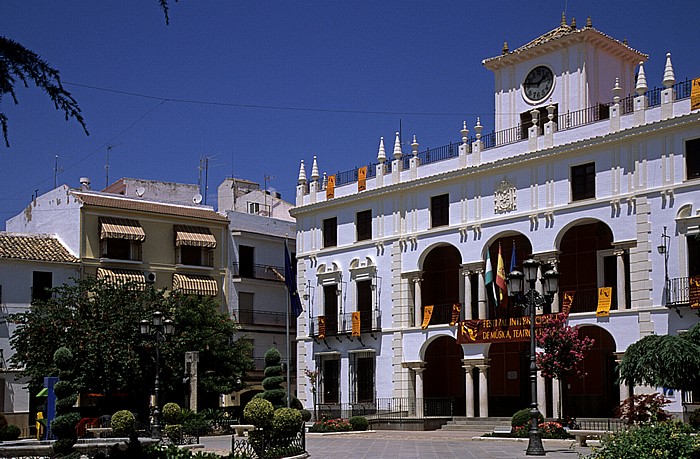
289, 381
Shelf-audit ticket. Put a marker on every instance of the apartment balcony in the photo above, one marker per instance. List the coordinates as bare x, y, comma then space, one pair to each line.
678, 291
321, 326
264, 318
260, 272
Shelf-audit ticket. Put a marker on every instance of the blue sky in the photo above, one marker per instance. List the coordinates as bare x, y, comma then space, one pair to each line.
262, 84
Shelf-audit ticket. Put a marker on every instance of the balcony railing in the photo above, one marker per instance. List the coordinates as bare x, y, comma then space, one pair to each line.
389, 408
262, 272
565, 121
678, 292
258, 317
370, 321
442, 314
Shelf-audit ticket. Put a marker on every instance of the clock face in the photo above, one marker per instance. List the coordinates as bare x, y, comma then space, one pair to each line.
538, 84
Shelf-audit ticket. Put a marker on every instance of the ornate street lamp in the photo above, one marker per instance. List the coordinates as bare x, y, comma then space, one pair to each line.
533, 299
159, 329
663, 250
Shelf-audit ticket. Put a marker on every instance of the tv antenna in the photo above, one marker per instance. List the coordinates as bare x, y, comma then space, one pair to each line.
56, 170
267, 178
109, 150
204, 169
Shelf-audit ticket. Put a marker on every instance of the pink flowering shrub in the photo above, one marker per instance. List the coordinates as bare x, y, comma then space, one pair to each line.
331, 425
548, 429
564, 349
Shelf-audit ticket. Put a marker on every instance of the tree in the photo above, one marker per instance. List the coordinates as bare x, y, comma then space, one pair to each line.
20, 63
564, 349
99, 322
664, 361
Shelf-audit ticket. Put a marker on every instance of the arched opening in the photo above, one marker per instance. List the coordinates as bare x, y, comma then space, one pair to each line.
440, 286
508, 378
443, 378
508, 245
587, 262
596, 394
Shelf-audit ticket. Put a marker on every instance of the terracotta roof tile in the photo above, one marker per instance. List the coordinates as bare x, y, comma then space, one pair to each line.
33, 247
118, 202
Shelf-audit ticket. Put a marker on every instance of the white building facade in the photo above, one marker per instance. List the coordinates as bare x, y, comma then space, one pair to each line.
577, 175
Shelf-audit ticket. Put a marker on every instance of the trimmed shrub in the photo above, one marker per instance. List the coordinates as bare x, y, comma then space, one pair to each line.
195, 423
522, 418
123, 423
11, 432
359, 423
305, 415
259, 412
694, 419
174, 433
286, 421
331, 425
172, 413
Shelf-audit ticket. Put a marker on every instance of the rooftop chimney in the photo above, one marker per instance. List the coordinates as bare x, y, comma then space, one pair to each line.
85, 183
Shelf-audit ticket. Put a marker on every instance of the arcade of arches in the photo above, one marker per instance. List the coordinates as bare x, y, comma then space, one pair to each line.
497, 382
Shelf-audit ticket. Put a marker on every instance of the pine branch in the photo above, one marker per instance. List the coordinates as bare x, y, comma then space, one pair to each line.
20, 63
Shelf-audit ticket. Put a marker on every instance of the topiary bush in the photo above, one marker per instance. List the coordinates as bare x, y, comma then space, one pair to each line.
286, 421
359, 423
63, 425
522, 418
172, 413
123, 423
174, 433
305, 415
259, 412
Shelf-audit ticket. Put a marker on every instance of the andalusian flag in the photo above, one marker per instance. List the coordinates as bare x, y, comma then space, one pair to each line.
501, 288
488, 279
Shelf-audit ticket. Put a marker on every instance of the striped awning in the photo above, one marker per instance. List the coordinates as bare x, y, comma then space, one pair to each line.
198, 236
121, 228
122, 276
194, 284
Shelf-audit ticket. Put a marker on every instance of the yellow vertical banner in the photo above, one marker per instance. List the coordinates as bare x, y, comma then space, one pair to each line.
695, 94
355, 324
322, 327
362, 178
604, 301
566, 301
427, 314
330, 187
694, 292
456, 308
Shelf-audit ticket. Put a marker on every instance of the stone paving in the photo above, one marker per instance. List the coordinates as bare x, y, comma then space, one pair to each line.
410, 445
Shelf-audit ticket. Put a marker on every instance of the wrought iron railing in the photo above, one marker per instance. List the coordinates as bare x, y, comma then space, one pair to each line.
252, 271
565, 121
258, 317
370, 321
609, 424
678, 292
442, 314
389, 408
265, 445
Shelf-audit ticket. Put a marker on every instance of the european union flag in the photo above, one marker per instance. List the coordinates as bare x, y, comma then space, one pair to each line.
291, 282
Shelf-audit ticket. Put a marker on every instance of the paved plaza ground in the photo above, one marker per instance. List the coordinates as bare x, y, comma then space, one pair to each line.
410, 445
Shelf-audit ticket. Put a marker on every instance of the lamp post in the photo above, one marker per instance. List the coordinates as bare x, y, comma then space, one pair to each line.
532, 299
663, 250
159, 329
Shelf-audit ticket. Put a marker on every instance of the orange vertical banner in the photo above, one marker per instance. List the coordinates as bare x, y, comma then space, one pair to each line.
330, 187
694, 292
604, 301
427, 314
355, 324
567, 301
322, 327
362, 178
456, 308
695, 94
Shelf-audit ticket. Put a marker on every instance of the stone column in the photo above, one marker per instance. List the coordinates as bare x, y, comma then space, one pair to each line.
467, 303
482, 295
418, 303
483, 391
419, 391
469, 389
191, 362
625, 390
621, 280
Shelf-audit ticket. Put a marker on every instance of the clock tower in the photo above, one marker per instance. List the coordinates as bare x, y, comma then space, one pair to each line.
571, 68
